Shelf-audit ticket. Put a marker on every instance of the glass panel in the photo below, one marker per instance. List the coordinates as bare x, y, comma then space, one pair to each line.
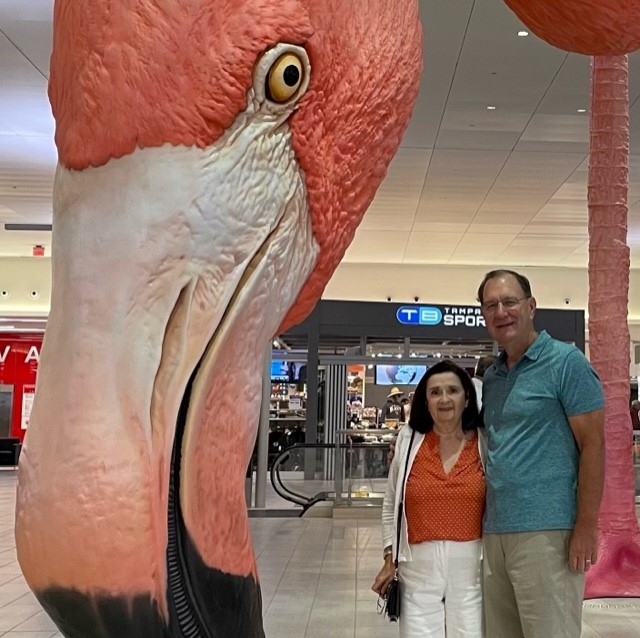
366, 470
6, 403
305, 473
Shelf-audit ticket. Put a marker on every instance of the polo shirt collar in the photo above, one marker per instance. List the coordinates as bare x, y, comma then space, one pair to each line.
533, 352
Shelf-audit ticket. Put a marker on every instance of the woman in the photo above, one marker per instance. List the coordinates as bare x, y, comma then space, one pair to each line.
440, 536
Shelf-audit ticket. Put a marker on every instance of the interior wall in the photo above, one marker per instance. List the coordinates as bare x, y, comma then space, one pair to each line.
21, 276
25, 286
552, 287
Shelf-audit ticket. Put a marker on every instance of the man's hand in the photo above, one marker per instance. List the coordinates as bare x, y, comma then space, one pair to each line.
583, 548
588, 430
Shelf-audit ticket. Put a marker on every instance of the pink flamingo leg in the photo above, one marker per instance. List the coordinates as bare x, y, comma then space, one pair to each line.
617, 573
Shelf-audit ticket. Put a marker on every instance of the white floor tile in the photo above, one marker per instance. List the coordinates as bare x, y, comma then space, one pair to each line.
315, 573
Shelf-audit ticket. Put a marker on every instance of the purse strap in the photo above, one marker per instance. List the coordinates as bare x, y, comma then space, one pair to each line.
401, 506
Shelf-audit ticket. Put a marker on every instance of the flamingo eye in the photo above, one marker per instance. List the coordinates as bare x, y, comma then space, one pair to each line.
285, 77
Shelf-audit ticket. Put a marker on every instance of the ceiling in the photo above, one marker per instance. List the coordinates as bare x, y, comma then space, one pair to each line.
469, 185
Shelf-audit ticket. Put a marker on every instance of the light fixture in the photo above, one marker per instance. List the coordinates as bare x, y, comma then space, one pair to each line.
582, 110
491, 108
523, 34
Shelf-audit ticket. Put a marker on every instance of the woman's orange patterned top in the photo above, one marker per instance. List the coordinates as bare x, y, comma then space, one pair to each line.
443, 506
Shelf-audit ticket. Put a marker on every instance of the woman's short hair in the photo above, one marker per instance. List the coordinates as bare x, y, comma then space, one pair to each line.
421, 420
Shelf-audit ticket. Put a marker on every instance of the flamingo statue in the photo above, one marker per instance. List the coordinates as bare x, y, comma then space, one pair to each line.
607, 29
215, 159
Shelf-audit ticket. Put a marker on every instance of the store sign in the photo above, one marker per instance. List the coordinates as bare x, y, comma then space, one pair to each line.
419, 315
19, 359
468, 316
33, 354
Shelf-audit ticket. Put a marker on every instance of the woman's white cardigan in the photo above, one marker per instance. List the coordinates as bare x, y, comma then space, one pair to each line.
394, 486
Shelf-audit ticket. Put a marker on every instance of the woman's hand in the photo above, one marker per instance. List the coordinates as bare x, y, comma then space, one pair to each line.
384, 577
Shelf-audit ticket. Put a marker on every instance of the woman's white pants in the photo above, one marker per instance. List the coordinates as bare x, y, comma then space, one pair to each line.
441, 592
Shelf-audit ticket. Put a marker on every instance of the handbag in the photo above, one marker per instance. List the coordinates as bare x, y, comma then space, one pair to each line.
391, 608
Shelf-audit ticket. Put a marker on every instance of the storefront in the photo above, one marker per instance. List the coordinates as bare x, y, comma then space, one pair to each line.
348, 357
354, 353
19, 358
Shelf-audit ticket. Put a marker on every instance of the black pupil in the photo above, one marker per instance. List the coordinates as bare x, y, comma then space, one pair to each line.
291, 75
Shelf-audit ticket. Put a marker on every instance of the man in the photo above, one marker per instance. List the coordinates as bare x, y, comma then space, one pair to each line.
482, 365
544, 415
393, 410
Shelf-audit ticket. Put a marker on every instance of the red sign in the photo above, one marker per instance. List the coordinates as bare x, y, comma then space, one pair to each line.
19, 359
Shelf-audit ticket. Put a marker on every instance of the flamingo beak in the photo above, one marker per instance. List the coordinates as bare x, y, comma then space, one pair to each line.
173, 267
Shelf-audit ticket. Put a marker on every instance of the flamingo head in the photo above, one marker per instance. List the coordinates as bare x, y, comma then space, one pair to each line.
591, 27
215, 159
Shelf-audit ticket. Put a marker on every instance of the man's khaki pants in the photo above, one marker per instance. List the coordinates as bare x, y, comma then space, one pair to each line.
529, 590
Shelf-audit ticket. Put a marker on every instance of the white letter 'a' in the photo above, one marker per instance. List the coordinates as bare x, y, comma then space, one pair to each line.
32, 355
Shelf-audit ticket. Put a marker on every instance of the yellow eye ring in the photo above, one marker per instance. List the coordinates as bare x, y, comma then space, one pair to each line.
284, 78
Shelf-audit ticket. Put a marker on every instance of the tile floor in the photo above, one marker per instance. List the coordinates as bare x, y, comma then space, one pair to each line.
315, 573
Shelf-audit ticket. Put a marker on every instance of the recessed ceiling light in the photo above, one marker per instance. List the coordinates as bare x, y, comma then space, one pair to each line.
523, 34
582, 110
491, 108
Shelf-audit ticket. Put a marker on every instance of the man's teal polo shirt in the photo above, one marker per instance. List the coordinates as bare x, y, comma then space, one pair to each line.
532, 464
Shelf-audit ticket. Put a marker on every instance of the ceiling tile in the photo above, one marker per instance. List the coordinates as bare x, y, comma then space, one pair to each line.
440, 227
479, 227
555, 229
506, 186
402, 186
532, 256
445, 27
473, 241
386, 222
372, 246
532, 241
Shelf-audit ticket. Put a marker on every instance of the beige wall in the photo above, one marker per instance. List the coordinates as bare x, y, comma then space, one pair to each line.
365, 282
458, 284
20, 277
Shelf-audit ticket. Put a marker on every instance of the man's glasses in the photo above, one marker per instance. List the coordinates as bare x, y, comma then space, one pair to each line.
508, 303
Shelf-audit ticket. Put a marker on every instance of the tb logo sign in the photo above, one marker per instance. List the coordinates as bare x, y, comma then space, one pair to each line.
419, 315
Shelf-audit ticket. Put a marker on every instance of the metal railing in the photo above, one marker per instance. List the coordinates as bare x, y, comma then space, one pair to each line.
283, 491
345, 463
